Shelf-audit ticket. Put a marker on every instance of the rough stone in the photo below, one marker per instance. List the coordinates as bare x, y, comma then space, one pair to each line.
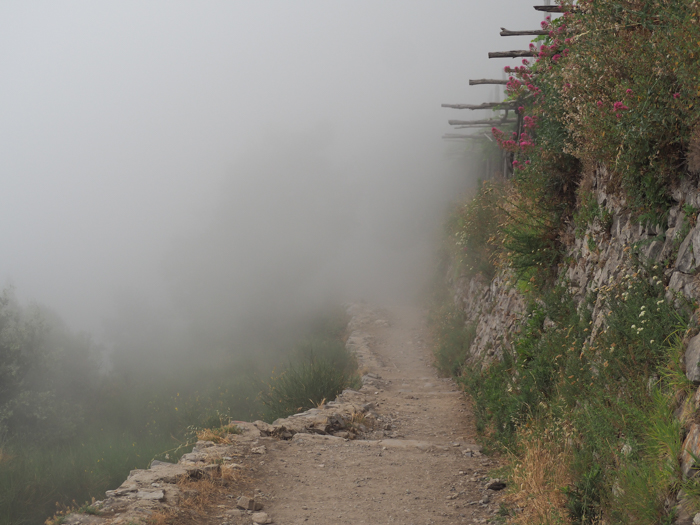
681, 283
692, 360
496, 484
684, 512
246, 503
691, 445
261, 518
83, 519
157, 495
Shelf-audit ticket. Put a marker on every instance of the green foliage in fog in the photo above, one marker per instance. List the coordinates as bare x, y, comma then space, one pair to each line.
320, 370
69, 429
46, 373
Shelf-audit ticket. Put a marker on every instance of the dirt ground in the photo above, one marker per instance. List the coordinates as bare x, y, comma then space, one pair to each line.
418, 469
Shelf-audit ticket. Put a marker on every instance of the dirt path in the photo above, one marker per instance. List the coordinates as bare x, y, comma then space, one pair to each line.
417, 469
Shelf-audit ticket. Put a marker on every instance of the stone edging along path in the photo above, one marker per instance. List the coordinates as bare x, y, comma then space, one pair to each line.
399, 450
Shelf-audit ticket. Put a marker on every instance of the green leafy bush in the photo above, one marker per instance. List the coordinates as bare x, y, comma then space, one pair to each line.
321, 371
472, 231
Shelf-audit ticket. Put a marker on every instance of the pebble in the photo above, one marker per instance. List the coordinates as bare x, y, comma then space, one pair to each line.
246, 503
261, 518
496, 484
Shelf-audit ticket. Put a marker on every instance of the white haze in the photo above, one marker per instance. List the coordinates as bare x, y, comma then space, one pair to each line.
196, 164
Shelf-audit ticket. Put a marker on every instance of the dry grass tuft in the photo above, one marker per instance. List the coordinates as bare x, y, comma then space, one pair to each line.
359, 419
163, 517
197, 494
539, 475
216, 435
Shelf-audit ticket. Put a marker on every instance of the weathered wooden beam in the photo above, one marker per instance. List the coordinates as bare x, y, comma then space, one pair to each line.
534, 32
485, 105
465, 136
480, 81
517, 53
515, 70
485, 122
551, 8
472, 126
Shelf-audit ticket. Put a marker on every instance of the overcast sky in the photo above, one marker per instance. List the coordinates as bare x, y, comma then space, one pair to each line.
134, 136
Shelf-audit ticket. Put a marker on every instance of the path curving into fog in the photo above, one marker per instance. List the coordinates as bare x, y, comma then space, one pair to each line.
418, 469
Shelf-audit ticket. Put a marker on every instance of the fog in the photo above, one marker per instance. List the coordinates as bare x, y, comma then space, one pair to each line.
185, 173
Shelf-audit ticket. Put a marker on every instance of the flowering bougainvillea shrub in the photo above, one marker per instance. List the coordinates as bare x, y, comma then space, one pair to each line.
617, 83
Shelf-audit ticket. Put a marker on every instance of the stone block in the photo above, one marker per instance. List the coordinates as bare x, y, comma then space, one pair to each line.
692, 360
691, 446
685, 260
246, 503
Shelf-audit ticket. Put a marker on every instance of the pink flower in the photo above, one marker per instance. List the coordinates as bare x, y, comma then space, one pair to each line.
600, 103
521, 109
556, 57
618, 106
629, 91
543, 24
676, 95
526, 62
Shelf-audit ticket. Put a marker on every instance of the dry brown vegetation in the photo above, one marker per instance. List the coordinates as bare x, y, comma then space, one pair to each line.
540, 471
202, 496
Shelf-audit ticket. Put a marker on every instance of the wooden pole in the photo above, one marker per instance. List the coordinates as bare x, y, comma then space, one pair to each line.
518, 53
462, 136
472, 126
534, 32
485, 105
551, 8
479, 81
486, 122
